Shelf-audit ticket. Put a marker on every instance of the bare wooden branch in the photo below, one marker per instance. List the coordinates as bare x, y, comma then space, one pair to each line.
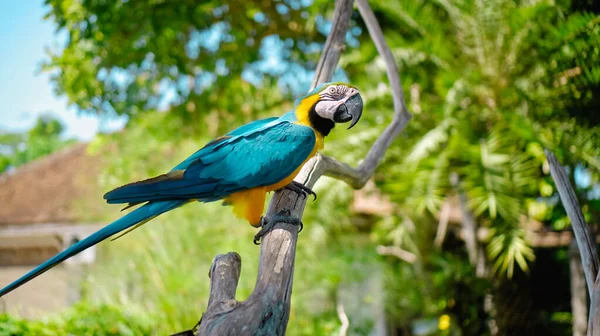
440, 235
224, 275
397, 252
359, 176
335, 44
266, 311
585, 242
468, 223
583, 236
343, 317
579, 296
594, 323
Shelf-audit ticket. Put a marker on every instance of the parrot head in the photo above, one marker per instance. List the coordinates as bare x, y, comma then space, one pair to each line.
331, 103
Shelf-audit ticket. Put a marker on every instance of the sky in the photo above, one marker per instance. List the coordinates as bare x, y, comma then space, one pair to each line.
24, 92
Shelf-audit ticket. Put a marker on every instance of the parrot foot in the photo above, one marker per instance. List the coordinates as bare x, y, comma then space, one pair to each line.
266, 224
301, 189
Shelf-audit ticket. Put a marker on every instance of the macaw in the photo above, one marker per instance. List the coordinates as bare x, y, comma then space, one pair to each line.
239, 168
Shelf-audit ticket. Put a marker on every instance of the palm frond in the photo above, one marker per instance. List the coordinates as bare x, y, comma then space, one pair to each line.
508, 247
430, 142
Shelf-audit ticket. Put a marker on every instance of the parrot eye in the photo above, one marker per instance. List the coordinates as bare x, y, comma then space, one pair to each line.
332, 90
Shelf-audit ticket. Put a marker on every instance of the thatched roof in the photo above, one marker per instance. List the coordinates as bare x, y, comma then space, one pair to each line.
50, 189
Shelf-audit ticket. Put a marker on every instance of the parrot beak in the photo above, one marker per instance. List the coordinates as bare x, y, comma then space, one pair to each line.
351, 110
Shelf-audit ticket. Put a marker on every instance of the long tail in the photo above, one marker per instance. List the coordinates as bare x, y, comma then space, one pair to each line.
137, 216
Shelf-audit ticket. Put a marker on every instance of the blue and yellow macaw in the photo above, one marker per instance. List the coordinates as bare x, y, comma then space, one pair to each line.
239, 168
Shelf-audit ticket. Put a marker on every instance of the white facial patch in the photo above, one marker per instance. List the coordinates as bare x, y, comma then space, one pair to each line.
331, 98
326, 108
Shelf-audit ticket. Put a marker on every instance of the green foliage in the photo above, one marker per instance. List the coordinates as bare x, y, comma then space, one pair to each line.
134, 57
161, 267
444, 284
9, 143
488, 91
508, 247
42, 139
82, 319
490, 84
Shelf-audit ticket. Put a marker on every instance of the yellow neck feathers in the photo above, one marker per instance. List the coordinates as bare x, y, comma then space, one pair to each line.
302, 111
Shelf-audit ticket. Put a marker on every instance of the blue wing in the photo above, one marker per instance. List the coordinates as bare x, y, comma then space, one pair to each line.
260, 153
265, 154
255, 126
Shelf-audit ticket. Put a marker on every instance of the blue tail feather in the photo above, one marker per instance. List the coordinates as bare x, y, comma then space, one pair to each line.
138, 215
163, 190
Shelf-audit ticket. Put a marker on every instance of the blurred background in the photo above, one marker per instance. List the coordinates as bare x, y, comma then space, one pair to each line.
460, 232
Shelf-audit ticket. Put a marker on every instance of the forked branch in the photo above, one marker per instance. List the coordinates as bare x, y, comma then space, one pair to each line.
357, 177
266, 311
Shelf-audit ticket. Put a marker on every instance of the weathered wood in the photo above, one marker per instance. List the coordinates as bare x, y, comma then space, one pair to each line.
224, 275
442, 228
343, 317
358, 177
594, 323
579, 301
585, 242
335, 43
469, 225
266, 311
397, 252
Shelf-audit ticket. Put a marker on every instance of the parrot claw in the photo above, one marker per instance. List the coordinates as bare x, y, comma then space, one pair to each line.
266, 225
301, 189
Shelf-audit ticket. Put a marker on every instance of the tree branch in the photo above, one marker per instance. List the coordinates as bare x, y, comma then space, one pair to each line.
359, 176
579, 301
335, 43
469, 224
397, 252
440, 235
585, 242
342, 316
266, 311
224, 275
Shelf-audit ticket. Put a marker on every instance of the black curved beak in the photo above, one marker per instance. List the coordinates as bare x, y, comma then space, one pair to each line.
351, 110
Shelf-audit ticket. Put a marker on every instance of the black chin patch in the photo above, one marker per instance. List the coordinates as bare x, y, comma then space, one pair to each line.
341, 115
324, 126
